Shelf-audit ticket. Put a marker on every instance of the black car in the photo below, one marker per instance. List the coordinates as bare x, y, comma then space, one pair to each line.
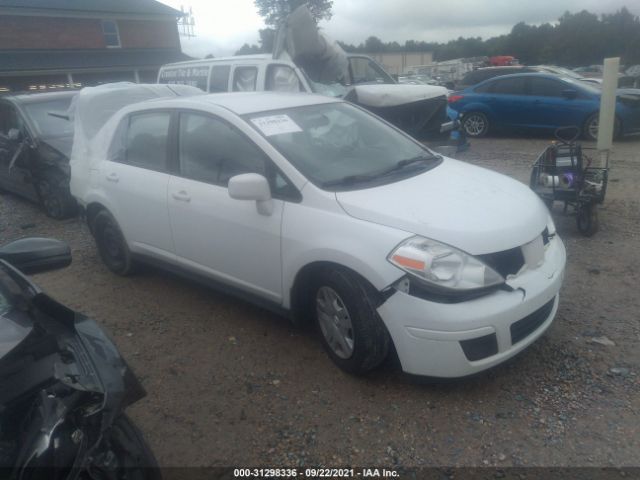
482, 74
35, 147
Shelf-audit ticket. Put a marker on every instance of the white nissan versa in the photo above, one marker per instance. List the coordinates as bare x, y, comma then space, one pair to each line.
318, 208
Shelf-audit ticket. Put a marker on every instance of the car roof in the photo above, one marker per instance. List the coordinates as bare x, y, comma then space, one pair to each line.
235, 58
242, 103
37, 97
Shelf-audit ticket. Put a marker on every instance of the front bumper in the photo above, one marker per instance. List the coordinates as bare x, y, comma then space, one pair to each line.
455, 340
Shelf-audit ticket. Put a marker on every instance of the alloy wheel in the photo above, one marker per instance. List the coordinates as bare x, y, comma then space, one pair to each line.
335, 322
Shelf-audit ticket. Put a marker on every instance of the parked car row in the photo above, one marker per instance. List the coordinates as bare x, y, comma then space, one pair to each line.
543, 102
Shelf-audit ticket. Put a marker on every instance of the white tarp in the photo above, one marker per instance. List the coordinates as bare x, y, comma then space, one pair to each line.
390, 95
92, 111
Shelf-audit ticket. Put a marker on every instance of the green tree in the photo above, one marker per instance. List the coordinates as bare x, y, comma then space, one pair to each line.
275, 11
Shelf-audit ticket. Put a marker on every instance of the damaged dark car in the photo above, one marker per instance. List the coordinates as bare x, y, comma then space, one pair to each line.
35, 145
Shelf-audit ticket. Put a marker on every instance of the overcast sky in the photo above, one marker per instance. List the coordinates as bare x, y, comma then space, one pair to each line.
222, 26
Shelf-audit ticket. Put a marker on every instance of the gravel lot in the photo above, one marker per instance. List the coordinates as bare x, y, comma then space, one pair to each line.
231, 384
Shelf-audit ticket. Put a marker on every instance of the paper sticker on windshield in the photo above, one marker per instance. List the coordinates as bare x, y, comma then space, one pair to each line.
276, 125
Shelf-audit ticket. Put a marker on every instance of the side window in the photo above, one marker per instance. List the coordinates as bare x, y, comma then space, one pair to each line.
282, 78
219, 78
9, 118
364, 70
213, 151
244, 79
509, 86
485, 88
545, 87
146, 140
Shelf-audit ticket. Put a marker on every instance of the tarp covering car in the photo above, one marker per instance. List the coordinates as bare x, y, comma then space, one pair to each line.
94, 107
417, 109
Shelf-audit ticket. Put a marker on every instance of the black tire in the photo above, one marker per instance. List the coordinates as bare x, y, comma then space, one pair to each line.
587, 220
370, 339
590, 127
55, 199
127, 453
475, 124
112, 246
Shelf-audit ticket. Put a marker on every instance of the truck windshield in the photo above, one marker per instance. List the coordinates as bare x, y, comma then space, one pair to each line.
339, 147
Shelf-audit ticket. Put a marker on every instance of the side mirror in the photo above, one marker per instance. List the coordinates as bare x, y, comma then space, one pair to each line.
252, 186
570, 94
33, 255
14, 135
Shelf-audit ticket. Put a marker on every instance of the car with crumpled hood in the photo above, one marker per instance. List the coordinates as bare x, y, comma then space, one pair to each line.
35, 145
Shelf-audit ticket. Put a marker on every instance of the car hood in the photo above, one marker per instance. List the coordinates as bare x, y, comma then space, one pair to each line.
468, 207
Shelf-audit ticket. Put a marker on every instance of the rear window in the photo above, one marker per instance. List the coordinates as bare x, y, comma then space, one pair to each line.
509, 86
146, 140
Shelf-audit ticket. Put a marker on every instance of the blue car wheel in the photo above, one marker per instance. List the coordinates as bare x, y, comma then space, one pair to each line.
475, 124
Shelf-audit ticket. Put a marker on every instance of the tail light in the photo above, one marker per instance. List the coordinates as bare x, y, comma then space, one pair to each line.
455, 98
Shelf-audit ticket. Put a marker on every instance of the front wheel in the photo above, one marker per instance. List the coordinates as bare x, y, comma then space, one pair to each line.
125, 454
475, 124
56, 201
590, 128
352, 333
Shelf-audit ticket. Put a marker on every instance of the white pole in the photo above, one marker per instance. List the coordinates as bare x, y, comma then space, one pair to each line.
608, 105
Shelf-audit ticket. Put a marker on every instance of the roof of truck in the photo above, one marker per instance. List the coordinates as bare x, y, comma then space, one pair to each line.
260, 57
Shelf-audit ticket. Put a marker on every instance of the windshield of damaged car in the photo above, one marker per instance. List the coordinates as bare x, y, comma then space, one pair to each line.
340, 147
48, 125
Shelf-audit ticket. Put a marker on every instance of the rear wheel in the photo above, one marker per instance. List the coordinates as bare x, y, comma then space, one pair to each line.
475, 124
111, 244
125, 454
352, 333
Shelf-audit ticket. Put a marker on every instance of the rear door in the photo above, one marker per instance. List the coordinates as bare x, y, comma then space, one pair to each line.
215, 235
135, 179
507, 101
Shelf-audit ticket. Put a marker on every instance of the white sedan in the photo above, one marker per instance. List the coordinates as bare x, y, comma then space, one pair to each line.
318, 209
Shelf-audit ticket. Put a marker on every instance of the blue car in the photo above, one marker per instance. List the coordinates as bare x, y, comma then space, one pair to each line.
540, 101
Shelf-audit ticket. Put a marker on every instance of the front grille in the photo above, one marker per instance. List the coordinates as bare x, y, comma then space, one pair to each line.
526, 326
507, 262
479, 348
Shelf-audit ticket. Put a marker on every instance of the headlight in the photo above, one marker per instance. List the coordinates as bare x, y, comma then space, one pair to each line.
442, 266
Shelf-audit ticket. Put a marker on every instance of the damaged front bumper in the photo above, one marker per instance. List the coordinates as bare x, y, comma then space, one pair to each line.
458, 339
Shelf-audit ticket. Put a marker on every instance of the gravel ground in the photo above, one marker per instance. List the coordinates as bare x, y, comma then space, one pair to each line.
230, 384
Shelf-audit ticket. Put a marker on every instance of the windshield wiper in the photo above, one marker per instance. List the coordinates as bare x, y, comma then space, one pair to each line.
410, 161
351, 179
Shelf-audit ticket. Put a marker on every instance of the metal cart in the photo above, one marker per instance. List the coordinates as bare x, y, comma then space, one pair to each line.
564, 173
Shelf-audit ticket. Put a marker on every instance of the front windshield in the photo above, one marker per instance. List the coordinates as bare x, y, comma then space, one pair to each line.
48, 125
338, 146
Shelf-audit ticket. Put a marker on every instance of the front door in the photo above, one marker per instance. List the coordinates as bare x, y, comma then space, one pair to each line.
215, 235
15, 175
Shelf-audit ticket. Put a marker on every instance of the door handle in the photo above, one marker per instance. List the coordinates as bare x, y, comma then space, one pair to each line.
181, 196
113, 177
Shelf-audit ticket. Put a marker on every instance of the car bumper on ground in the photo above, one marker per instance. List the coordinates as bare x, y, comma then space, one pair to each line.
459, 339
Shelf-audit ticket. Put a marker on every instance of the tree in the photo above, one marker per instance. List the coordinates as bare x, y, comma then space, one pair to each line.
275, 11
374, 45
247, 49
